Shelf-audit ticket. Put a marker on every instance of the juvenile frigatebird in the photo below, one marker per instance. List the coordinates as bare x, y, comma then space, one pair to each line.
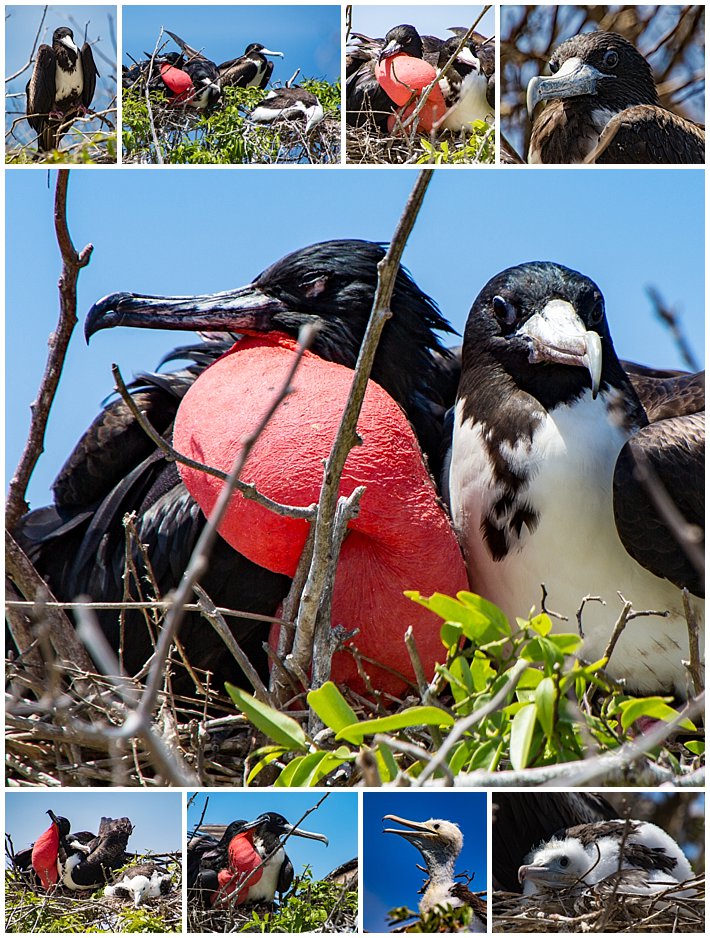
247, 864
251, 70
440, 843
61, 87
604, 108
636, 856
524, 820
547, 432
294, 103
79, 543
140, 883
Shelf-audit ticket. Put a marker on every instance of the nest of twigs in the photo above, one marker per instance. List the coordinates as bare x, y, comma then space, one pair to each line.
599, 908
365, 144
32, 911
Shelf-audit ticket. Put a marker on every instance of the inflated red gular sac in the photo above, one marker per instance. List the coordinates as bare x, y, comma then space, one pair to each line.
403, 75
45, 852
402, 538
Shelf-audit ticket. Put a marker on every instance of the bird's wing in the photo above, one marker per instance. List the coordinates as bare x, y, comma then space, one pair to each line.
673, 449
91, 73
646, 133
285, 879
237, 73
188, 50
41, 88
668, 394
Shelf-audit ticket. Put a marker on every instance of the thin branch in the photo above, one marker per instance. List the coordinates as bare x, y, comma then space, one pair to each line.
24, 68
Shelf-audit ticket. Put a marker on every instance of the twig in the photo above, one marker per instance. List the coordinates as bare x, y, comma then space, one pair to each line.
158, 151
24, 68
72, 263
694, 664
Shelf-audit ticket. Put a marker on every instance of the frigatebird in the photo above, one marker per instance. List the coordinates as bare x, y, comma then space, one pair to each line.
61, 87
140, 883
78, 543
287, 104
547, 434
165, 73
247, 864
440, 843
87, 865
466, 87
604, 108
206, 92
636, 857
523, 820
251, 70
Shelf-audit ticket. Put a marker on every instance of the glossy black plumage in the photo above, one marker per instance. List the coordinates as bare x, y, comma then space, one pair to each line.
205, 76
61, 87
251, 70
89, 864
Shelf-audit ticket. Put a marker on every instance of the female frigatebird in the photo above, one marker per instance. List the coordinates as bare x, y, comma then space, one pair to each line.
247, 864
61, 87
251, 70
79, 543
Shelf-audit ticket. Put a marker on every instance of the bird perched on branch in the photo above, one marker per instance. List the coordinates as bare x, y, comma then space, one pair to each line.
604, 108
251, 70
206, 91
140, 883
440, 843
549, 430
61, 87
635, 857
247, 864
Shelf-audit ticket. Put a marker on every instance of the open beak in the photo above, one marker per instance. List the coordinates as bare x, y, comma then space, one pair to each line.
558, 335
573, 79
231, 311
416, 829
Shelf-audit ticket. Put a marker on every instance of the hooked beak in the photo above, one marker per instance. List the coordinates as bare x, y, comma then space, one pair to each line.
247, 308
573, 79
269, 52
69, 43
553, 879
307, 835
416, 830
53, 816
392, 48
558, 335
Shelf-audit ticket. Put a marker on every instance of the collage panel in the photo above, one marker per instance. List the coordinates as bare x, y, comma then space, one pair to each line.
229, 84
602, 84
61, 98
121, 873
420, 91
606, 862
272, 861
443, 886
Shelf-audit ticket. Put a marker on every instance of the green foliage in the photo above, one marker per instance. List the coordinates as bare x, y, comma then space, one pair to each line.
439, 920
90, 150
553, 707
226, 136
479, 147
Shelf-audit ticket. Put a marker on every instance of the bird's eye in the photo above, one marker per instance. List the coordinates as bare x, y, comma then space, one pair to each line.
315, 286
611, 58
564, 862
597, 313
504, 310
554, 66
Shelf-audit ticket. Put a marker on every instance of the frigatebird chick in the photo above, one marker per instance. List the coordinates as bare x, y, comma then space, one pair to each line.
288, 104
588, 854
251, 70
604, 108
140, 883
206, 91
547, 432
87, 865
440, 843
61, 87
247, 864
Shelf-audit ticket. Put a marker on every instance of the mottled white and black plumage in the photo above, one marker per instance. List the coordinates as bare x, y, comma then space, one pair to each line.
604, 108
639, 856
140, 883
541, 485
289, 104
251, 70
61, 87
440, 843
90, 864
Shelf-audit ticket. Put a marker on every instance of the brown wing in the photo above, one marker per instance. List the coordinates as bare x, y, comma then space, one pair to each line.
40, 89
237, 73
649, 134
91, 73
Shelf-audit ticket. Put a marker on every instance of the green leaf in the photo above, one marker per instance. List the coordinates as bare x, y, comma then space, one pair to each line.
413, 716
541, 624
696, 746
655, 708
451, 634
386, 763
283, 729
545, 699
330, 705
271, 754
487, 610
521, 735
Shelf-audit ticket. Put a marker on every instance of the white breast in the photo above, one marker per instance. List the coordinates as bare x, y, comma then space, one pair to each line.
264, 890
69, 83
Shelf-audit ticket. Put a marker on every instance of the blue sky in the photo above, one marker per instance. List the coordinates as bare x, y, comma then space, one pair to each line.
390, 876
182, 231
309, 36
431, 19
21, 26
156, 816
336, 818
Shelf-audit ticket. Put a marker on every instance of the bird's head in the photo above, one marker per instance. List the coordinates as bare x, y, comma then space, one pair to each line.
62, 823
404, 39
546, 326
466, 61
438, 841
262, 50
65, 37
558, 864
599, 64
277, 825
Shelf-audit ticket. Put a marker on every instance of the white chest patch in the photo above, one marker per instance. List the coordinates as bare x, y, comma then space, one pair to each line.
69, 84
558, 529
265, 889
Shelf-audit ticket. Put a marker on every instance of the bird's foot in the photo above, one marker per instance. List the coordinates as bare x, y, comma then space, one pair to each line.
56, 115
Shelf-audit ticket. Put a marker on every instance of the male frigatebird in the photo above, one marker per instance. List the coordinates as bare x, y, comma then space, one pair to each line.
61, 87
547, 430
636, 856
604, 108
294, 103
251, 70
206, 92
440, 843
140, 883
79, 542
247, 864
